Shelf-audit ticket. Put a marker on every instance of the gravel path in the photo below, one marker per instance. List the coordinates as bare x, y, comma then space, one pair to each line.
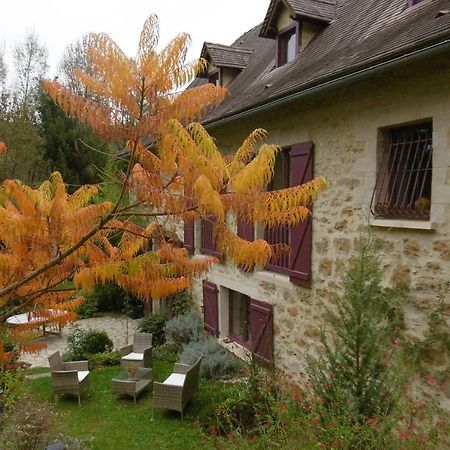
119, 329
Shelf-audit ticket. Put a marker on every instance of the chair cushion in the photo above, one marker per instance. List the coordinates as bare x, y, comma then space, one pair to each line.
133, 356
82, 374
176, 379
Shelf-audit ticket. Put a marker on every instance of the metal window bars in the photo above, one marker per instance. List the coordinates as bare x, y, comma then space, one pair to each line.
403, 186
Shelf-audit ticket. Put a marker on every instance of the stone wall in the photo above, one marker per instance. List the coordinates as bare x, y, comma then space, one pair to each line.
344, 124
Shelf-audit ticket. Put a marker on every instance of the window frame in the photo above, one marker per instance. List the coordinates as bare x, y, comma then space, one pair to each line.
215, 77
282, 40
400, 156
274, 266
244, 338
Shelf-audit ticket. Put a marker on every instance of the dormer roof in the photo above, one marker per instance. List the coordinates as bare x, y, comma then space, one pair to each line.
226, 56
317, 10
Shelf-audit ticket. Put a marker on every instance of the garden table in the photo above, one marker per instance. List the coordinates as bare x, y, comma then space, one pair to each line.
132, 385
33, 317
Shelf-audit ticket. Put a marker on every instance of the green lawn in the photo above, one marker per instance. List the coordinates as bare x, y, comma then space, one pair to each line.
111, 422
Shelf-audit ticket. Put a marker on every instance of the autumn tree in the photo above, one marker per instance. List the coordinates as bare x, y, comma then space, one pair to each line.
181, 175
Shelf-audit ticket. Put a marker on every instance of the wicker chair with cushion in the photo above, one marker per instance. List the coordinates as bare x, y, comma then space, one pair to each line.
68, 377
139, 352
176, 390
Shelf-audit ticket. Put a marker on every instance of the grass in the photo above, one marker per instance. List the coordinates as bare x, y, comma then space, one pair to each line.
106, 421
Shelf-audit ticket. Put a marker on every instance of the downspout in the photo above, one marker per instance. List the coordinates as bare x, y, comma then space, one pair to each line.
331, 83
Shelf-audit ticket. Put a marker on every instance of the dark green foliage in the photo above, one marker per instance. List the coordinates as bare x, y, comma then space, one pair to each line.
185, 328
357, 369
89, 308
110, 297
84, 343
154, 324
63, 147
182, 303
217, 361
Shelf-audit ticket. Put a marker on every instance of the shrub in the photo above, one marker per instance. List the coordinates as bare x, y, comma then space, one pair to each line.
182, 303
154, 324
89, 308
104, 359
28, 426
84, 343
185, 328
217, 361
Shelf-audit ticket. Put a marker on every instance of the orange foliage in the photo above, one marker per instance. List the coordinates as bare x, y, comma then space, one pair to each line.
53, 244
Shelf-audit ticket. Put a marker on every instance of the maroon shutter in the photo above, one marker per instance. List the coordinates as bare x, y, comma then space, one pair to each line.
261, 328
189, 235
301, 164
208, 238
211, 308
245, 229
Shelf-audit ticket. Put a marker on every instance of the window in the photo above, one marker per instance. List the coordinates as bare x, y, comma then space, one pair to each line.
403, 186
214, 78
208, 237
413, 2
287, 45
280, 234
240, 320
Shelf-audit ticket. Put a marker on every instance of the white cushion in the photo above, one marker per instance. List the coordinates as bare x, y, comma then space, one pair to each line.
82, 374
176, 379
134, 356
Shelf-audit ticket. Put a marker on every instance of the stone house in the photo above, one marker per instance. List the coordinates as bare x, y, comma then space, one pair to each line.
358, 92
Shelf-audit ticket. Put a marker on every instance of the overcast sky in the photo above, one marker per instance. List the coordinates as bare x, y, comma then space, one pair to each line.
60, 22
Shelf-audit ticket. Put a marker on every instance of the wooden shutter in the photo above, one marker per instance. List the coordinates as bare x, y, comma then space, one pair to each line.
208, 238
245, 229
301, 171
211, 308
261, 329
189, 236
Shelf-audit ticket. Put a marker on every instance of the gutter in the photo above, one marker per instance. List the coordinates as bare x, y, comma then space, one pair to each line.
330, 83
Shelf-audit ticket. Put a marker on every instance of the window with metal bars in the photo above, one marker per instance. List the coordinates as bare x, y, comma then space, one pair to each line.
403, 186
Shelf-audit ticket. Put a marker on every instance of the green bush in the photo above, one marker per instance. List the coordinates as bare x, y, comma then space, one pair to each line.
217, 361
185, 328
89, 308
167, 352
84, 343
110, 297
182, 303
107, 358
154, 324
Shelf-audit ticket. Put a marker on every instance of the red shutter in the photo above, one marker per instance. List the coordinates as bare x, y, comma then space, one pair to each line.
189, 236
261, 328
245, 229
301, 167
211, 308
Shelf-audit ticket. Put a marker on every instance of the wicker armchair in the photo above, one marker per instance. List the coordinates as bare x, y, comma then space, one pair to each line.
139, 352
176, 391
68, 377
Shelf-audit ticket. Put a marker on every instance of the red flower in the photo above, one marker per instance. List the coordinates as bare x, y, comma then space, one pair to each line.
213, 431
404, 435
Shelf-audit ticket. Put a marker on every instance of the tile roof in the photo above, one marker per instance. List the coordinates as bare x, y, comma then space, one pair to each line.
362, 34
235, 57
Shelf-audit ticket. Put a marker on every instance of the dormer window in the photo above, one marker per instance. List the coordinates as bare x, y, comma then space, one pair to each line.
413, 2
287, 45
214, 78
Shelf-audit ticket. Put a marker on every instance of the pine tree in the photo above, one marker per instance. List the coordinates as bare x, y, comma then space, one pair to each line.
357, 368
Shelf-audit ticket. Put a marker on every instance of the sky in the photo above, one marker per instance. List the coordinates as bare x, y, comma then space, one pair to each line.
60, 22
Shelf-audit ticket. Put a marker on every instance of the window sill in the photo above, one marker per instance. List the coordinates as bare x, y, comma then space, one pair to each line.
409, 224
237, 349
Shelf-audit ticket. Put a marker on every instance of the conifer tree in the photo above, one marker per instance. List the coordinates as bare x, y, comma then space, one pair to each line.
357, 368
